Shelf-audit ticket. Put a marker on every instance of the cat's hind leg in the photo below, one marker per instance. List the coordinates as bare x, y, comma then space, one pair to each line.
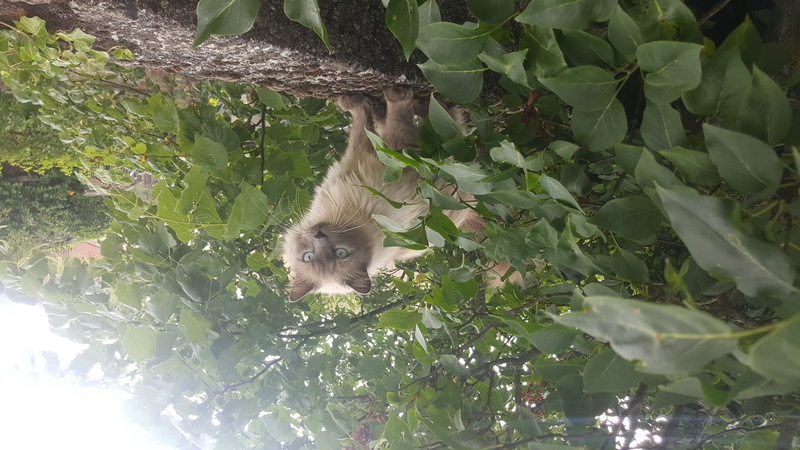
398, 130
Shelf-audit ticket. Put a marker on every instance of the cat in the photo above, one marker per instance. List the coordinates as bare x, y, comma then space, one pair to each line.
336, 247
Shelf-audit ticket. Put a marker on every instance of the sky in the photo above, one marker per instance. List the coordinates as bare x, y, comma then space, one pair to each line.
41, 411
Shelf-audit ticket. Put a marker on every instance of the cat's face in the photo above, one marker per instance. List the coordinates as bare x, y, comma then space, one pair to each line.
324, 258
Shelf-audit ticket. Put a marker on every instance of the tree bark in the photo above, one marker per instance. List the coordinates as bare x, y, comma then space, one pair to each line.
277, 53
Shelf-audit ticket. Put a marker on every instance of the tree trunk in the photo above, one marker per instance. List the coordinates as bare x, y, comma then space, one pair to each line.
277, 53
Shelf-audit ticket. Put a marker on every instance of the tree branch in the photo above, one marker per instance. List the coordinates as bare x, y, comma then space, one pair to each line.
713, 11
633, 412
232, 387
671, 427
789, 429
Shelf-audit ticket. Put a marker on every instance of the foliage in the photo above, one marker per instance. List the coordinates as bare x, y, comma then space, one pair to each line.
642, 176
49, 211
28, 143
106, 114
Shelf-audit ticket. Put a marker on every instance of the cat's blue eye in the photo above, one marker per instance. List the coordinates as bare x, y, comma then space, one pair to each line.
341, 253
308, 256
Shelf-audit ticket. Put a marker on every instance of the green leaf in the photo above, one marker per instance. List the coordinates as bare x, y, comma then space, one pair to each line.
429, 13
552, 339
306, 12
563, 149
756, 440
635, 218
162, 305
665, 339
649, 172
514, 198
511, 65
437, 198
271, 99
492, 12
461, 84
210, 155
558, 192
724, 83
544, 54
585, 88
747, 40
195, 328
289, 159
123, 54
744, 162
695, 166
562, 14
195, 182
250, 211
662, 127
167, 211
442, 122
469, 177
624, 35
450, 44
705, 225
208, 218
574, 178
139, 343
224, 17
451, 364
608, 372
371, 367
582, 48
776, 356
164, 113
507, 152
764, 112
567, 254
402, 18
601, 128
83, 42
628, 267
673, 67
443, 435
667, 20
128, 294
399, 319
578, 405
33, 25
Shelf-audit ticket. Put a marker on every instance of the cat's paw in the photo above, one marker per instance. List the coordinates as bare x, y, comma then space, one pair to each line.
398, 94
354, 102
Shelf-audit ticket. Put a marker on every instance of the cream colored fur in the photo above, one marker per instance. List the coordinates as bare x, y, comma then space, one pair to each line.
347, 209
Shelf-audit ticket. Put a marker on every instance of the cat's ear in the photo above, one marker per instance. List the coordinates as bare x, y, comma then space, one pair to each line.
300, 288
360, 282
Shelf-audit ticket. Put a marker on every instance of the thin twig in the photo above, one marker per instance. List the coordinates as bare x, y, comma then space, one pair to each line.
713, 11
354, 320
263, 137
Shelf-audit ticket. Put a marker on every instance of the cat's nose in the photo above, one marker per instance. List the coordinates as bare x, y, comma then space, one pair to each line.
320, 235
